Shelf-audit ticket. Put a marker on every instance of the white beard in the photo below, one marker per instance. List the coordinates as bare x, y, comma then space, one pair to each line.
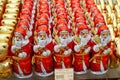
106, 40
41, 42
18, 43
85, 40
64, 41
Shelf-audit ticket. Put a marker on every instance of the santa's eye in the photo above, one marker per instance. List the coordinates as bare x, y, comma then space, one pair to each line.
43, 36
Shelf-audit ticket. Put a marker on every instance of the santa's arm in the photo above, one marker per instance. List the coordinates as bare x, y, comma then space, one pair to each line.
106, 51
29, 34
35, 48
13, 49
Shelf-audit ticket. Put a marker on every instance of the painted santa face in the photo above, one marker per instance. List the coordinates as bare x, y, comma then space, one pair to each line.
18, 37
105, 36
64, 38
42, 35
64, 34
84, 36
84, 33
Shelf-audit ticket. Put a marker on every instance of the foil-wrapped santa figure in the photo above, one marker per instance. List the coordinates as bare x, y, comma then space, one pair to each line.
43, 50
101, 50
21, 54
63, 48
82, 49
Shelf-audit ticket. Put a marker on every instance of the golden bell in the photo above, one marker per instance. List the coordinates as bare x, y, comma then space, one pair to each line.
10, 16
6, 30
5, 38
3, 50
8, 22
11, 10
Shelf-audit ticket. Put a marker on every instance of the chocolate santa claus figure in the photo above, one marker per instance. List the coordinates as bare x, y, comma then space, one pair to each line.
101, 50
63, 48
82, 50
43, 48
21, 54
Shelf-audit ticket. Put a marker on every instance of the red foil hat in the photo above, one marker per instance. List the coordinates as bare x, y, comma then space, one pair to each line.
21, 30
42, 28
101, 28
82, 27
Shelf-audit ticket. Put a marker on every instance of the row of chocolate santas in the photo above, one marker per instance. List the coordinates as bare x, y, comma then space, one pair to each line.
42, 58
111, 12
22, 40
64, 41
63, 44
8, 20
83, 42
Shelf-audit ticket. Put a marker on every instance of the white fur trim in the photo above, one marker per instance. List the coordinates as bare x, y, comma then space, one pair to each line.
63, 65
43, 75
98, 72
19, 76
43, 69
101, 67
84, 66
81, 72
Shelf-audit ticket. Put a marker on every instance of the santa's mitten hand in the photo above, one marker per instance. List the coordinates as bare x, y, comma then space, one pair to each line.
96, 48
69, 51
44, 53
48, 52
66, 52
22, 55
57, 48
77, 48
107, 51
87, 50
35, 48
